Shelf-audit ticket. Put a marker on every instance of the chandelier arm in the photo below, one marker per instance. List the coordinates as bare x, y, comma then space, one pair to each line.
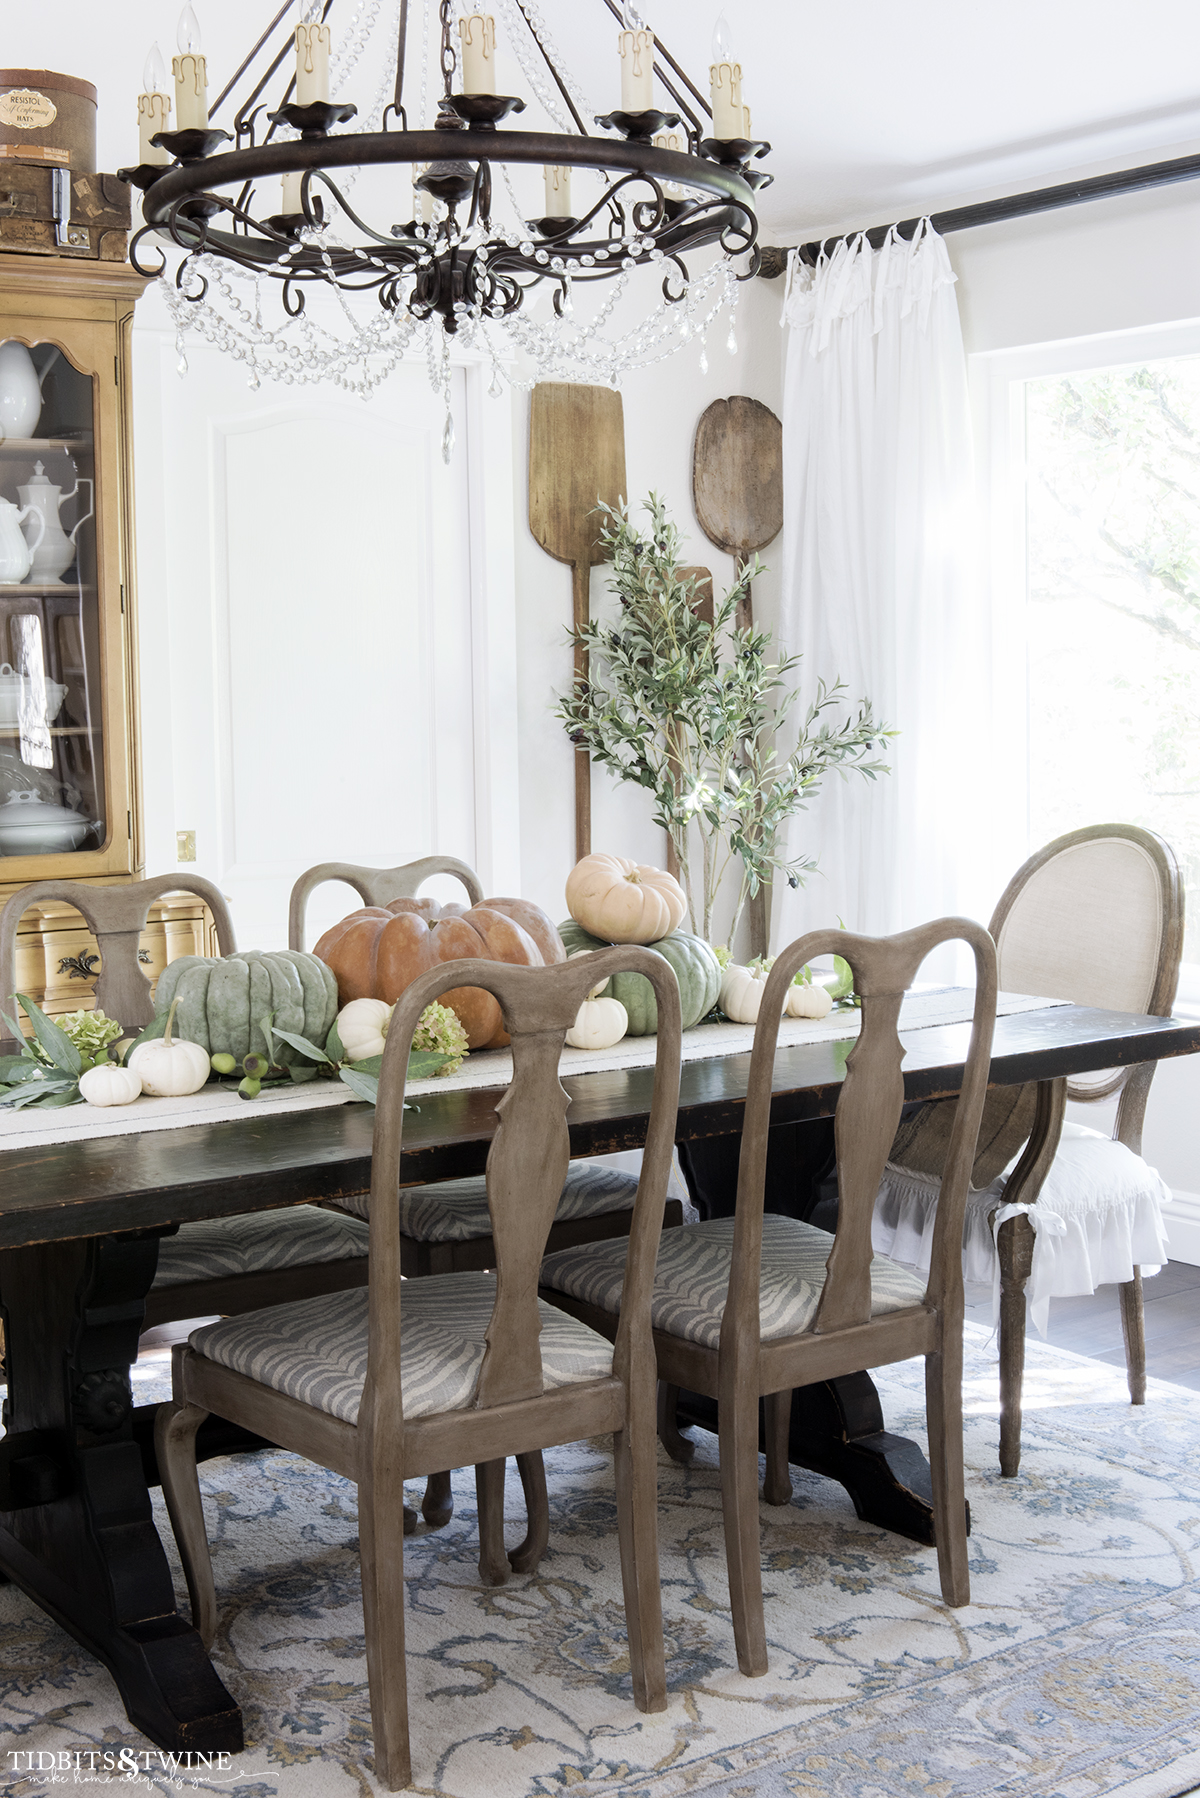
388, 243
401, 44
558, 80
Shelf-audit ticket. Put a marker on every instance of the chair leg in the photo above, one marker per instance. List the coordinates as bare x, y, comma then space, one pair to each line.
489, 1497
1015, 1248
943, 1412
1133, 1328
777, 1487
743, 1553
636, 1472
677, 1445
525, 1557
437, 1506
381, 1550
175, 1429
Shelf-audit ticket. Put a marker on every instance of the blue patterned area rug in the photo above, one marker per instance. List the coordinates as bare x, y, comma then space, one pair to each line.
1074, 1673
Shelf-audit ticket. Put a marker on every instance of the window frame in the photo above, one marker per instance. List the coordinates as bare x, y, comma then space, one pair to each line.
997, 380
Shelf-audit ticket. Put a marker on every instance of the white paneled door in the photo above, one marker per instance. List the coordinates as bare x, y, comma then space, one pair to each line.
322, 618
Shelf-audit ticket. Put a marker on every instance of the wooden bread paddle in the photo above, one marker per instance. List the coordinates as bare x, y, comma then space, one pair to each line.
576, 460
737, 488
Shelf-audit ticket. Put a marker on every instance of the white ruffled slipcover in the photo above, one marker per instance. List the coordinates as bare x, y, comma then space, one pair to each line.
1097, 1217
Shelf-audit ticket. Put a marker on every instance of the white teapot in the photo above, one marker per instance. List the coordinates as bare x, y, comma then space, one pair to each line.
52, 549
16, 555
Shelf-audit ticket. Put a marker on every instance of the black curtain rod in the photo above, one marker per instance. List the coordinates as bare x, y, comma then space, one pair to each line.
1012, 206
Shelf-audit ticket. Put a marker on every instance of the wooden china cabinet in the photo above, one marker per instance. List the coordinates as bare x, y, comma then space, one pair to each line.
73, 755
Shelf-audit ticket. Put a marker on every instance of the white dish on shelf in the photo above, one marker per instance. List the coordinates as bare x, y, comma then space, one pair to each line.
12, 691
31, 825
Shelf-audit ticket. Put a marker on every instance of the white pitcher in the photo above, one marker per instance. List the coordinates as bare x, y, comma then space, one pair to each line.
20, 391
16, 555
53, 550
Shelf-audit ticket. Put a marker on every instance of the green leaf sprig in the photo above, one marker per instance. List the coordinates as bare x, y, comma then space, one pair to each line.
362, 1077
46, 1072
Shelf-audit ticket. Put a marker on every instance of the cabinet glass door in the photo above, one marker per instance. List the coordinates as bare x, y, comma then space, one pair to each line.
52, 725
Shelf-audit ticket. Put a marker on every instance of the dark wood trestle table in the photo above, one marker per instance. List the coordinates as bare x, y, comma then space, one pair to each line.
79, 1230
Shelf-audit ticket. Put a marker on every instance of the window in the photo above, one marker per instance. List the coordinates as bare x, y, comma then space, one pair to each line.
1095, 472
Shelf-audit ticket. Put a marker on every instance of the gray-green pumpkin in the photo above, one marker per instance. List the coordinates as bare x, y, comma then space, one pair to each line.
222, 1000
695, 966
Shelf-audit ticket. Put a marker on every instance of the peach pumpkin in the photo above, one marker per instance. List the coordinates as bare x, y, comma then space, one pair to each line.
377, 952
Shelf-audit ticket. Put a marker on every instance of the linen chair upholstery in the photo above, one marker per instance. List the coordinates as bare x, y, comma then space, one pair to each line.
372, 1385
753, 1306
224, 1264
1095, 917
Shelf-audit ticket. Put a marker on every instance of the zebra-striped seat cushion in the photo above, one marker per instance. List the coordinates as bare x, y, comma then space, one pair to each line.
692, 1278
457, 1210
256, 1242
316, 1350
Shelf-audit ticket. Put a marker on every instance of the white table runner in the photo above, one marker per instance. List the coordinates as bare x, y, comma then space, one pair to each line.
487, 1068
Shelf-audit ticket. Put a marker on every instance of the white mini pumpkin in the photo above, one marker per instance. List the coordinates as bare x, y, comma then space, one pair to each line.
808, 1002
108, 1084
624, 902
599, 1022
169, 1067
741, 993
362, 1026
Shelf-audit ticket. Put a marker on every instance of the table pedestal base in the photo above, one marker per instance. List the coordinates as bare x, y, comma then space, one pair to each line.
76, 1527
837, 1430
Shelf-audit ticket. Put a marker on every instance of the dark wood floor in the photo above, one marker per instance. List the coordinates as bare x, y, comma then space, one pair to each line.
1092, 1326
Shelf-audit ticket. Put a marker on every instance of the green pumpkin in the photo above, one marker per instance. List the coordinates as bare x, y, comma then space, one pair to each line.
223, 999
695, 966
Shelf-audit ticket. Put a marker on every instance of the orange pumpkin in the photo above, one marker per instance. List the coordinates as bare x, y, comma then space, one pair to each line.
379, 951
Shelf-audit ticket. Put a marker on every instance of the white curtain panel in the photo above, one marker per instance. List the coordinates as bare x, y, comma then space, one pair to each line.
879, 580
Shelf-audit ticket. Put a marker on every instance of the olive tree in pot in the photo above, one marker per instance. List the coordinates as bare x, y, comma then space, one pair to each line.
701, 717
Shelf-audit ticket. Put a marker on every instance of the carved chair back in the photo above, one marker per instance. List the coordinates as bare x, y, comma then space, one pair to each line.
375, 886
868, 1111
526, 1167
116, 917
1095, 917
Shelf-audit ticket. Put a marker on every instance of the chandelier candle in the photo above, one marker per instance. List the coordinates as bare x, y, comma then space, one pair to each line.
312, 63
558, 191
637, 69
191, 75
154, 109
725, 77
291, 193
478, 33
670, 140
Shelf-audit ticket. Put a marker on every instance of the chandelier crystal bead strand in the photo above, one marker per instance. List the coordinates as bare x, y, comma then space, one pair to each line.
263, 253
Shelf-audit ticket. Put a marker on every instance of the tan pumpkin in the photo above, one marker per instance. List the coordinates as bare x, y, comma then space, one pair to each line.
624, 902
378, 952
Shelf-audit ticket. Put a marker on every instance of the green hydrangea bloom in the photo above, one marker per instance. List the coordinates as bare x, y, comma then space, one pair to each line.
90, 1031
440, 1033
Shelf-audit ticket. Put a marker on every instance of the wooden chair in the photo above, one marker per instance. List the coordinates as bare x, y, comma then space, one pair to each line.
445, 1228
749, 1307
377, 1385
228, 1264
1096, 917
375, 886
